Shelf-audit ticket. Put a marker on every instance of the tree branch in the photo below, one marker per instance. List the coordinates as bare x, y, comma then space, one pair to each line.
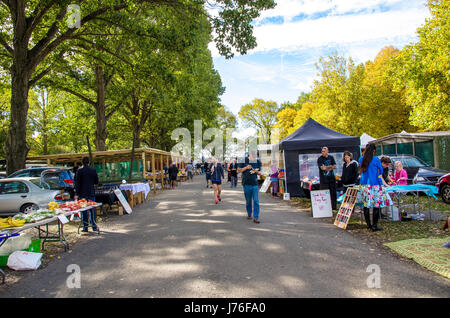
80, 96
45, 47
6, 45
36, 18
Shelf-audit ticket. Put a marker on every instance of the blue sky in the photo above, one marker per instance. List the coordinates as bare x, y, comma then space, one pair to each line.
292, 37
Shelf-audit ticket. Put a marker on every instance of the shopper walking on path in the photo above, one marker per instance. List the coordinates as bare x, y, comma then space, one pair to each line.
326, 165
216, 178
189, 171
207, 168
233, 173
85, 179
250, 169
173, 173
373, 194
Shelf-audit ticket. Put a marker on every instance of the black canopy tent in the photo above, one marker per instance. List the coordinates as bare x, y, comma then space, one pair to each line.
309, 139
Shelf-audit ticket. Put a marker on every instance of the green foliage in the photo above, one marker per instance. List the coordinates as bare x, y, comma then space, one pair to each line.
159, 47
261, 115
422, 71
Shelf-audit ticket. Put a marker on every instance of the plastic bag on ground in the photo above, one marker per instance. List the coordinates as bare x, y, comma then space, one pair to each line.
17, 243
23, 261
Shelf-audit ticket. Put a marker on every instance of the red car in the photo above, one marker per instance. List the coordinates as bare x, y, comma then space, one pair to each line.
444, 187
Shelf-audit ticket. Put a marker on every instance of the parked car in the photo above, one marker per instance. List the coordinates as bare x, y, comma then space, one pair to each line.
34, 172
25, 195
2, 175
418, 171
56, 178
444, 187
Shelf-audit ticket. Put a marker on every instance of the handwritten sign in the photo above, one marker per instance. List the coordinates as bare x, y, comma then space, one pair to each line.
63, 219
265, 185
321, 204
123, 201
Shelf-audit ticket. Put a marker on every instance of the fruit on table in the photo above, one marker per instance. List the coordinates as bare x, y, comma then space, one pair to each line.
53, 206
10, 222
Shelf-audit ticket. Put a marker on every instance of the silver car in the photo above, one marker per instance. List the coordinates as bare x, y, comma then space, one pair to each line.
25, 195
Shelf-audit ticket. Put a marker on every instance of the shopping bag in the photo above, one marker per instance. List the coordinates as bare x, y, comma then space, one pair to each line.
22, 261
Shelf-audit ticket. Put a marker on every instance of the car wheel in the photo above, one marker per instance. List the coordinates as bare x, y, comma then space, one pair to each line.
446, 193
29, 207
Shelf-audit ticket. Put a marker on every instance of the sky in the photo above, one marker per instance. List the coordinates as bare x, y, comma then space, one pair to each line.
292, 36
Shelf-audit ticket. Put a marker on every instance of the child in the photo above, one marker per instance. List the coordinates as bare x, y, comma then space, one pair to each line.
274, 179
400, 176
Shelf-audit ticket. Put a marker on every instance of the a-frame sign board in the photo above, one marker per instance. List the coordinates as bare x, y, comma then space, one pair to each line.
346, 209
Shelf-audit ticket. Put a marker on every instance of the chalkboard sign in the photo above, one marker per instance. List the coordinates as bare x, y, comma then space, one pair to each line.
321, 204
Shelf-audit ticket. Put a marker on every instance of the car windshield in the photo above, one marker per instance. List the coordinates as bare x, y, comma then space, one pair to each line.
412, 162
37, 181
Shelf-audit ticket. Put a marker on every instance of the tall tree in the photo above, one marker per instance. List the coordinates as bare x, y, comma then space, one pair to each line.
32, 33
261, 115
422, 70
285, 121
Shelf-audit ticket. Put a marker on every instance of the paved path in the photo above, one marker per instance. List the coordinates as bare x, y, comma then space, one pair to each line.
181, 244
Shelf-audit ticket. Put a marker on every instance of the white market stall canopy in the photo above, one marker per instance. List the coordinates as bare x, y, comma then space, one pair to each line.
365, 139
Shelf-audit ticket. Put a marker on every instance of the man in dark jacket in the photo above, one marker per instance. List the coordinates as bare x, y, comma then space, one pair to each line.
85, 179
173, 173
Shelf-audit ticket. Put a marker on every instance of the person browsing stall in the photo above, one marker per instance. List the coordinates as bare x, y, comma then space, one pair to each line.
85, 179
400, 176
374, 195
349, 171
386, 163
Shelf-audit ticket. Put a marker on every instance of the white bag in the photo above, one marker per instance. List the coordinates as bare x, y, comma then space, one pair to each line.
15, 244
22, 261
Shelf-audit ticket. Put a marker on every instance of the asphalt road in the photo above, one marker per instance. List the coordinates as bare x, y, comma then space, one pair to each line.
181, 244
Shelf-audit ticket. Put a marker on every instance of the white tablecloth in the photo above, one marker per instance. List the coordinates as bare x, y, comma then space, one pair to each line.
136, 187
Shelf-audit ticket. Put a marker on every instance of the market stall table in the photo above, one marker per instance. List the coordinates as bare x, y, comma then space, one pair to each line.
397, 192
44, 235
134, 188
415, 189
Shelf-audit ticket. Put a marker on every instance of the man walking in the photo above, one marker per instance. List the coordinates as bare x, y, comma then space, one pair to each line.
85, 179
207, 168
250, 169
326, 165
173, 173
189, 170
233, 173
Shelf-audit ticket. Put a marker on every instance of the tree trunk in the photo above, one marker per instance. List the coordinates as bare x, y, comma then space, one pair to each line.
16, 147
44, 121
137, 136
100, 109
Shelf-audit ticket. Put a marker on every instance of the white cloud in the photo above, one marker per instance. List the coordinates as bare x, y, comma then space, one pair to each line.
338, 30
289, 9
